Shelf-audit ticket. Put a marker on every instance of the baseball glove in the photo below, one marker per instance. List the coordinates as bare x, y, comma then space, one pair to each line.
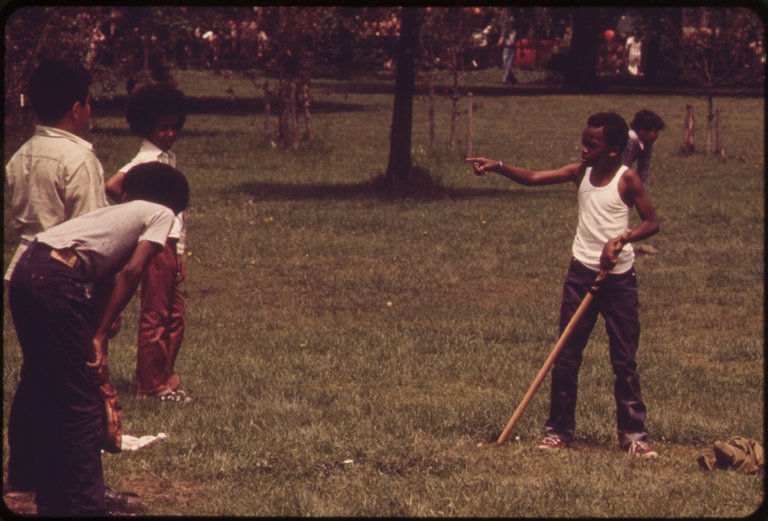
113, 431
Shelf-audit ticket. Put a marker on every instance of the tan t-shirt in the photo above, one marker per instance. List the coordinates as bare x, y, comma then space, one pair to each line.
105, 238
149, 152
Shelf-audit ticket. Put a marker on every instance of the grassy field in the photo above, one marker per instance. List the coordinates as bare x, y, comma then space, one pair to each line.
353, 354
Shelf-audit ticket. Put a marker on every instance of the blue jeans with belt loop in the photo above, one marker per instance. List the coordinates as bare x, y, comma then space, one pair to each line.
56, 421
617, 301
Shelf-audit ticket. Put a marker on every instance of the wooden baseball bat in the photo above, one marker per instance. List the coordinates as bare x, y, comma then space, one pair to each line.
575, 319
551, 359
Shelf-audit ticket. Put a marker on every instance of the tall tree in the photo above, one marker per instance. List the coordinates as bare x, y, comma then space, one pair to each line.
400, 164
345, 20
580, 73
654, 25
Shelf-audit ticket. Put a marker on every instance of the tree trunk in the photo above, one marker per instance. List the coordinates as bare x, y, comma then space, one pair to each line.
580, 73
656, 66
145, 65
284, 119
346, 40
400, 162
455, 99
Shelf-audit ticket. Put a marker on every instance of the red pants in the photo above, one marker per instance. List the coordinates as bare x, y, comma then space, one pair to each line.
161, 325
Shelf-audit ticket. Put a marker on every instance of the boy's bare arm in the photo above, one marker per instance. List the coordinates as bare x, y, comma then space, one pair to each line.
125, 286
114, 186
565, 174
632, 192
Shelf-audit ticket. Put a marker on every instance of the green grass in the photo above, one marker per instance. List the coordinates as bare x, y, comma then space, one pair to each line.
327, 323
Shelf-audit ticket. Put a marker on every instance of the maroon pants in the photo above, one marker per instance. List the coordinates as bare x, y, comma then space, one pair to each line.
161, 325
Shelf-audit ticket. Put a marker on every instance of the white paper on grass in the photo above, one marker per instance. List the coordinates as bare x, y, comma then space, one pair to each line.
134, 443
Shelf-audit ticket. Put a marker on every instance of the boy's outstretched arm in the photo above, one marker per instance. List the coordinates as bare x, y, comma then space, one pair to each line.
568, 173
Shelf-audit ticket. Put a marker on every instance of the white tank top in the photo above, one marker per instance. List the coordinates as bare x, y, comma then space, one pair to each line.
602, 216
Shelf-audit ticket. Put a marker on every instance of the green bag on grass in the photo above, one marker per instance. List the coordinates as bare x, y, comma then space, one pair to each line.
737, 453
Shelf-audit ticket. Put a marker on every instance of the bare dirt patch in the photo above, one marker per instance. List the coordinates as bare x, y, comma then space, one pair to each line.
151, 490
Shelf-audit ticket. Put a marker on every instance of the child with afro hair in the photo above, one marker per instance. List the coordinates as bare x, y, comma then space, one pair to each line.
157, 112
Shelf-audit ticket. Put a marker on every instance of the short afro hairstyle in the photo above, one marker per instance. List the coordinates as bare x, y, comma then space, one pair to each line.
157, 183
150, 102
614, 128
647, 120
55, 86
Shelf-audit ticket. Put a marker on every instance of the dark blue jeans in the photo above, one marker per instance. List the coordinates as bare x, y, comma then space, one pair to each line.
56, 419
617, 301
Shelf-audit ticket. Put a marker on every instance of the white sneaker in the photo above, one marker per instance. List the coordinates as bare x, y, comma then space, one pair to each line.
551, 443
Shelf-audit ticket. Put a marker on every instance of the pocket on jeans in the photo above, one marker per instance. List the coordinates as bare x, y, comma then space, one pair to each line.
69, 290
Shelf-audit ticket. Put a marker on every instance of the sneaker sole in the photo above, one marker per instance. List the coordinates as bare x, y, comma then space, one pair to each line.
648, 455
549, 447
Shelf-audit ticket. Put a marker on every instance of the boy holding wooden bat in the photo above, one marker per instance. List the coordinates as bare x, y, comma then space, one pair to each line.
607, 193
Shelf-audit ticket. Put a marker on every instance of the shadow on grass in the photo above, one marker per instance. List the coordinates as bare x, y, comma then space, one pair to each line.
239, 105
125, 131
123, 386
375, 189
236, 106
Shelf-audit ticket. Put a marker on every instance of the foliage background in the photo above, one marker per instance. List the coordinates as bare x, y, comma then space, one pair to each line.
356, 353
351, 353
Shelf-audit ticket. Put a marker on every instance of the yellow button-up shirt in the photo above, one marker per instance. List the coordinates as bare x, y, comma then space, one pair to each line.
53, 177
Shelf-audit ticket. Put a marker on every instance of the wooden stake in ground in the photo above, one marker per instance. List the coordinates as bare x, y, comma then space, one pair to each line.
267, 109
719, 130
307, 100
431, 115
454, 117
710, 124
688, 145
469, 125
294, 116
